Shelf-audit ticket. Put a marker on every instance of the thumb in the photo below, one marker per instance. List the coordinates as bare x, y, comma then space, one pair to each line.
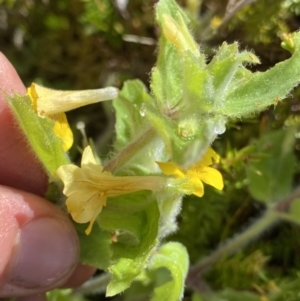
18, 165
39, 246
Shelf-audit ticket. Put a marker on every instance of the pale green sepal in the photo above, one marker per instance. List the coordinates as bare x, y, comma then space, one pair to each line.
134, 218
39, 134
166, 78
184, 140
174, 12
271, 169
171, 8
231, 51
224, 52
165, 128
288, 42
169, 266
205, 88
198, 89
223, 68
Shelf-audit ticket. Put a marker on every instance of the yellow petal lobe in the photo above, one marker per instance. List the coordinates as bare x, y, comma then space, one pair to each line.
196, 186
88, 157
33, 96
88, 187
170, 169
208, 175
62, 130
209, 158
197, 174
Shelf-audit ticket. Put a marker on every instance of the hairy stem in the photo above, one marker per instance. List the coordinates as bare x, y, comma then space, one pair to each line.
130, 151
269, 219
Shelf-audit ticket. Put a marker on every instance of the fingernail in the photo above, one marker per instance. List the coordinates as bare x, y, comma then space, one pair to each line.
45, 254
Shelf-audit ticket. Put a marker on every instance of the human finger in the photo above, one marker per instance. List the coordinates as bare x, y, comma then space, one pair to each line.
39, 246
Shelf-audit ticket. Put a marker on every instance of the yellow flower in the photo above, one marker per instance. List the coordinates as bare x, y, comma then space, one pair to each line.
53, 103
197, 174
88, 187
178, 34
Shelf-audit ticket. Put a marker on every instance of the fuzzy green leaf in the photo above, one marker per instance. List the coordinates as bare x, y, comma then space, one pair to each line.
264, 88
170, 266
39, 134
134, 218
95, 248
129, 112
271, 173
132, 126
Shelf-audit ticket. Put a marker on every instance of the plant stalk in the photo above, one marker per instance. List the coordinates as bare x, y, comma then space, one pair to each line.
269, 219
130, 151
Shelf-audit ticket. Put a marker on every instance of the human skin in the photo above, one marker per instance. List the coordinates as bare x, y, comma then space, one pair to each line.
38, 244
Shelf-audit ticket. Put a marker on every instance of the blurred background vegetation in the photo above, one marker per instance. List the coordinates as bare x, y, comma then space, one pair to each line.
82, 44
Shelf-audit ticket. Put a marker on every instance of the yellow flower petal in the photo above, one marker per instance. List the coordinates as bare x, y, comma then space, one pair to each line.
96, 213
170, 169
86, 206
178, 34
200, 172
53, 103
66, 172
82, 205
89, 228
209, 176
62, 130
49, 101
88, 157
88, 187
33, 96
196, 186
90, 165
209, 158
172, 32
